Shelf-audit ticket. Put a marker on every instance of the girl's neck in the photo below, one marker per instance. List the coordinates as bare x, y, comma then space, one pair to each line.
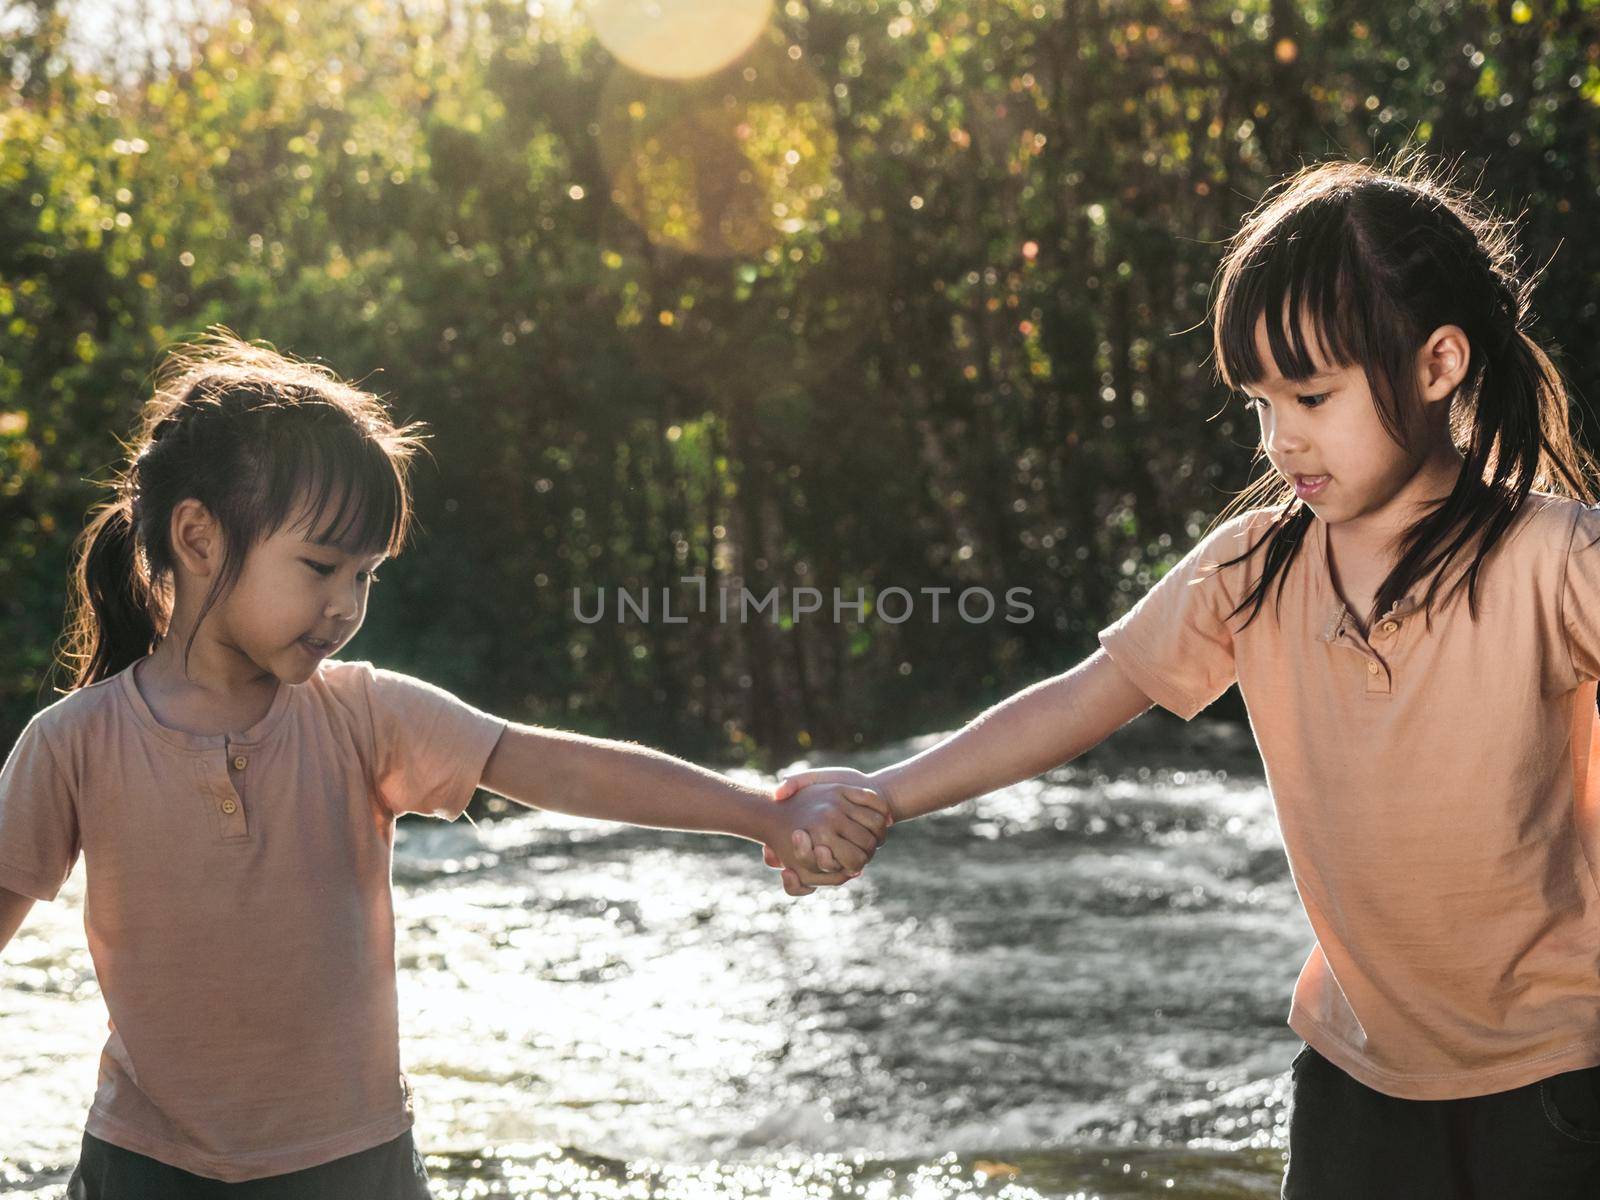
1376, 537
215, 674
191, 708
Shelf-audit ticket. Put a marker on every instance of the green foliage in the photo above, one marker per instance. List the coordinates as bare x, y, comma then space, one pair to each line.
941, 326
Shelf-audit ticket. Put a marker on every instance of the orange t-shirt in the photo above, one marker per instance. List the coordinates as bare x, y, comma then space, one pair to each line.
1438, 792
237, 904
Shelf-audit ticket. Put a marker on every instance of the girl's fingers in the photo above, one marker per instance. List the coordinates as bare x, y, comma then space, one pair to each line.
790, 784
868, 798
787, 787
768, 857
870, 819
804, 852
845, 855
852, 859
844, 830
792, 884
830, 879
819, 876
843, 776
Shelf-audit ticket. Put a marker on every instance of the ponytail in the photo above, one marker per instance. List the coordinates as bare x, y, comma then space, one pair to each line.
1533, 412
111, 617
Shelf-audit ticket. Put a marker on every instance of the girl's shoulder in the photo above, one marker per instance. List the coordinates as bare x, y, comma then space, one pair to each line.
1548, 523
1243, 533
359, 687
1252, 521
1551, 505
348, 687
342, 674
1542, 535
79, 713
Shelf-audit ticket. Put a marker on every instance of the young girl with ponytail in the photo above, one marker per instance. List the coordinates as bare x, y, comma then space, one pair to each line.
233, 789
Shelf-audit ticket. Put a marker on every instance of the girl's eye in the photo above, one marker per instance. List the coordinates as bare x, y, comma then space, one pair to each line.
324, 569
1314, 401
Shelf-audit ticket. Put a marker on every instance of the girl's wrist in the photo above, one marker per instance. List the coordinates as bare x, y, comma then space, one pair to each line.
889, 783
763, 821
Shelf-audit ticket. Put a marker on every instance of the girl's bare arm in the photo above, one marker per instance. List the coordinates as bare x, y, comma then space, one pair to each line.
1040, 727
620, 781
1025, 735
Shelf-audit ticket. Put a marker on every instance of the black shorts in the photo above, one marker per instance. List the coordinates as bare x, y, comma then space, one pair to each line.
1540, 1141
392, 1171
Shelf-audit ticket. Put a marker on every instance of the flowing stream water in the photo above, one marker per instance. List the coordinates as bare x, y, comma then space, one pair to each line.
1073, 988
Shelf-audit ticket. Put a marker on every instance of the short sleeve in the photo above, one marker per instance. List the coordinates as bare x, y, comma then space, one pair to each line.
38, 818
1580, 594
429, 747
1175, 643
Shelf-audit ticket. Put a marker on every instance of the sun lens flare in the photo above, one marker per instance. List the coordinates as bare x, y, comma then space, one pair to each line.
723, 166
678, 39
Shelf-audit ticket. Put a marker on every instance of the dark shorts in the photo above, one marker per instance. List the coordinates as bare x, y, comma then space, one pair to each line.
392, 1171
1540, 1141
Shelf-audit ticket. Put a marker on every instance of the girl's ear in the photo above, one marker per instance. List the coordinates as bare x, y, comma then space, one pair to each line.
196, 537
1442, 362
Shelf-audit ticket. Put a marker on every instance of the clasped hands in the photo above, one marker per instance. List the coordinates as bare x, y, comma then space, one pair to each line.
838, 817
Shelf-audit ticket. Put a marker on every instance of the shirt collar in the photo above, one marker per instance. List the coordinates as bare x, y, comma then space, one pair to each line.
1338, 610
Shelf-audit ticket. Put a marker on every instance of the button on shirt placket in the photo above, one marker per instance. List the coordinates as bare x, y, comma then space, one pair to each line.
1341, 632
227, 786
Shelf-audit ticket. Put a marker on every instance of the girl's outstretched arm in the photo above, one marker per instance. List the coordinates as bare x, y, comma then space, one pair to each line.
1040, 727
620, 781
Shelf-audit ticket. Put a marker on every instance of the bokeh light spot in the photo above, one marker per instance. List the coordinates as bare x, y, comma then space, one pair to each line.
678, 39
724, 166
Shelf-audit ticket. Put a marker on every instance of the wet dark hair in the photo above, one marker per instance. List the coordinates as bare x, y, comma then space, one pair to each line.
1378, 259
258, 438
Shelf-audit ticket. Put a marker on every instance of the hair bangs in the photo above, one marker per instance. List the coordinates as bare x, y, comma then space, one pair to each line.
1302, 268
344, 492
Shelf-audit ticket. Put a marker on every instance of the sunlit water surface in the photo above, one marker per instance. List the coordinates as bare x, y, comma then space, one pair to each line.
1073, 988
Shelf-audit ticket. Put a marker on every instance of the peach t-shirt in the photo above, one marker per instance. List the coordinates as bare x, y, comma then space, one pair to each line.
1438, 792
238, 907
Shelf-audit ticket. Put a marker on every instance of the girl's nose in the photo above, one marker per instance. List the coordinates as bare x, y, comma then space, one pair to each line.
1285, 441
345, 607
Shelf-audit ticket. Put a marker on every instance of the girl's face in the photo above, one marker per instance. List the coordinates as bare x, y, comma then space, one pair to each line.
1323, 434
291, 590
